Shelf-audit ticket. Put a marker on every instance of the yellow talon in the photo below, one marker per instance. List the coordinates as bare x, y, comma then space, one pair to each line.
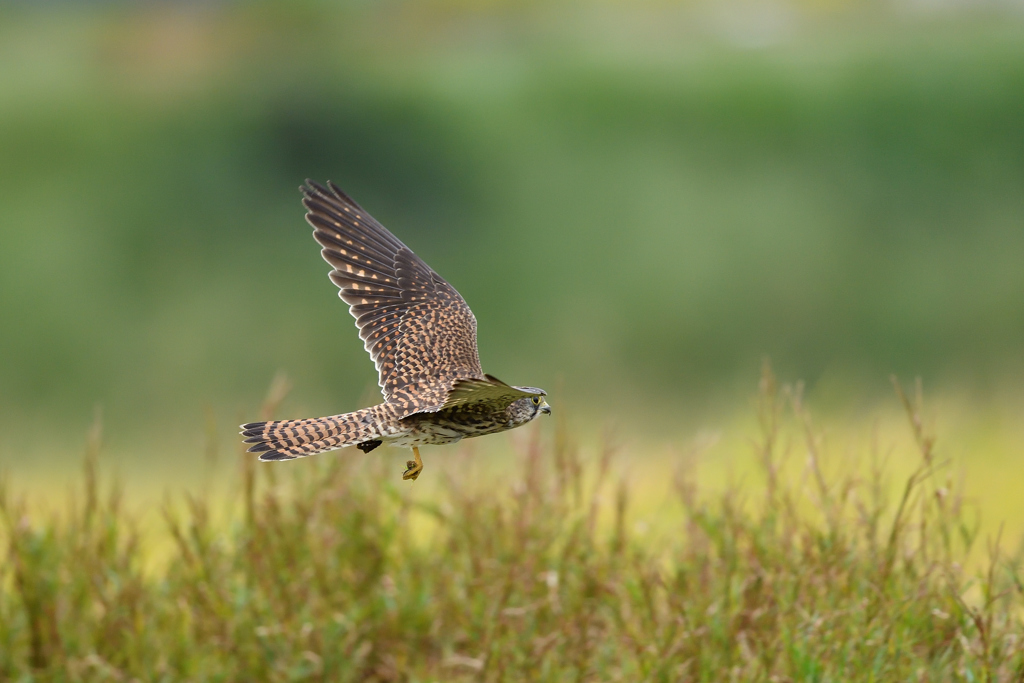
414, 466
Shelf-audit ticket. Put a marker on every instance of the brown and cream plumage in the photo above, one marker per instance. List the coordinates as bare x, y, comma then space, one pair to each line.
421, 336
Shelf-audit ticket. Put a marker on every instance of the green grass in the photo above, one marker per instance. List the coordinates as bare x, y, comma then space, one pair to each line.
334, 569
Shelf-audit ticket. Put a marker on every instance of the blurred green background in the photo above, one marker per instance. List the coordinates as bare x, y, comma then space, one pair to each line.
639, 200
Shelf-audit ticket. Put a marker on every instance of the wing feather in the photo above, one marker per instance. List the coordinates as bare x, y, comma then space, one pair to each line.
417, 329
489, 390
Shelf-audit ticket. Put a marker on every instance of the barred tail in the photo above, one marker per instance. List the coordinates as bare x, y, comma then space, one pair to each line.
290, 439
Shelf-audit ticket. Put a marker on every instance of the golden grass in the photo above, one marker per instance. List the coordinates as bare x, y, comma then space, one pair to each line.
557, 567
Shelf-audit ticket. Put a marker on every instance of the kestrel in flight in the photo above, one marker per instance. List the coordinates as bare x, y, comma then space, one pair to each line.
421, 336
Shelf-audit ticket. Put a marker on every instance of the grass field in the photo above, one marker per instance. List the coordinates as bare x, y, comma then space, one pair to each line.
335, 569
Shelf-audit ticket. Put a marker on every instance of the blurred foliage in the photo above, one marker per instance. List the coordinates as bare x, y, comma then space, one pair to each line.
637, 201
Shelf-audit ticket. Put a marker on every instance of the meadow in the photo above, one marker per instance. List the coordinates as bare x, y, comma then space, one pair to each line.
339, 571
640, 201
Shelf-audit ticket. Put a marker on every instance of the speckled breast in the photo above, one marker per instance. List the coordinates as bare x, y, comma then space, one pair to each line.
436, 429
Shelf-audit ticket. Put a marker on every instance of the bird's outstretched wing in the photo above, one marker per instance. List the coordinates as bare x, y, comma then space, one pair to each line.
418, 330
490, 390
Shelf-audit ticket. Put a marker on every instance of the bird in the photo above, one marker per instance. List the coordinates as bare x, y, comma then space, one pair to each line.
421, 336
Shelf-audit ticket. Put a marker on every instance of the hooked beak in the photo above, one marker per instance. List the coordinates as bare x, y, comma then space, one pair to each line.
544, 407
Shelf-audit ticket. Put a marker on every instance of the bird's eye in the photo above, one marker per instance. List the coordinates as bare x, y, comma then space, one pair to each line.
536, 400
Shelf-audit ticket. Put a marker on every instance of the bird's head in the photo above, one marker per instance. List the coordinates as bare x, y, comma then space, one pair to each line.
525, 409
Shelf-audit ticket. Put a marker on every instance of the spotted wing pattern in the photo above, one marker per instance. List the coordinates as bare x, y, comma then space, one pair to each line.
418, 330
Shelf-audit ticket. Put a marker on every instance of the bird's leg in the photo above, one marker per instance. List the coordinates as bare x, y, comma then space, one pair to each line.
414, 466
